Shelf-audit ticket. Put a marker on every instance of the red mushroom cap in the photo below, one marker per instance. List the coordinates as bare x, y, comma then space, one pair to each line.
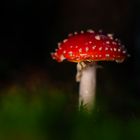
90, 46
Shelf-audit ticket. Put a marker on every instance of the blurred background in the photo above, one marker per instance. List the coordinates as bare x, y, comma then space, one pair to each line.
39, 97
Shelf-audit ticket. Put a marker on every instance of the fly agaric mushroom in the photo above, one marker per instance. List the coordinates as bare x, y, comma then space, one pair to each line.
86, 48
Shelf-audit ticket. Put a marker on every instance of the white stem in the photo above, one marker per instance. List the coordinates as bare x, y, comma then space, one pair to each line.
87, 86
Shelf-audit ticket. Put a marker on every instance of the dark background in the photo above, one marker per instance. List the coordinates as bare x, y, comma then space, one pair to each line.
30, 30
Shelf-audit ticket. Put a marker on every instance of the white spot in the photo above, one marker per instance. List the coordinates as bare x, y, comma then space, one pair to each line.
96, 55
100, 48
114, 43
119, 44
60, 48
124, 52
93, 47
55, 54
53, 57
106, 48
76, 46
100, 31
110, 36
70, 34
90, 42
64, 51
75, 33
70, 53
65, 40
119, 49
71, 46
62, 57
87, 49
100, 55
82, 31
92, 56
90, 31
59, 44
80, 50
107, 55
111, 49
56, 50
115, 49
97, 37
107, 42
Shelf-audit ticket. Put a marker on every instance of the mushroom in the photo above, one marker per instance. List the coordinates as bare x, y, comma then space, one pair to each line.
86, 48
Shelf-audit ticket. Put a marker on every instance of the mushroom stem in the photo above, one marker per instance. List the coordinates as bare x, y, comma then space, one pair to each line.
87, 85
